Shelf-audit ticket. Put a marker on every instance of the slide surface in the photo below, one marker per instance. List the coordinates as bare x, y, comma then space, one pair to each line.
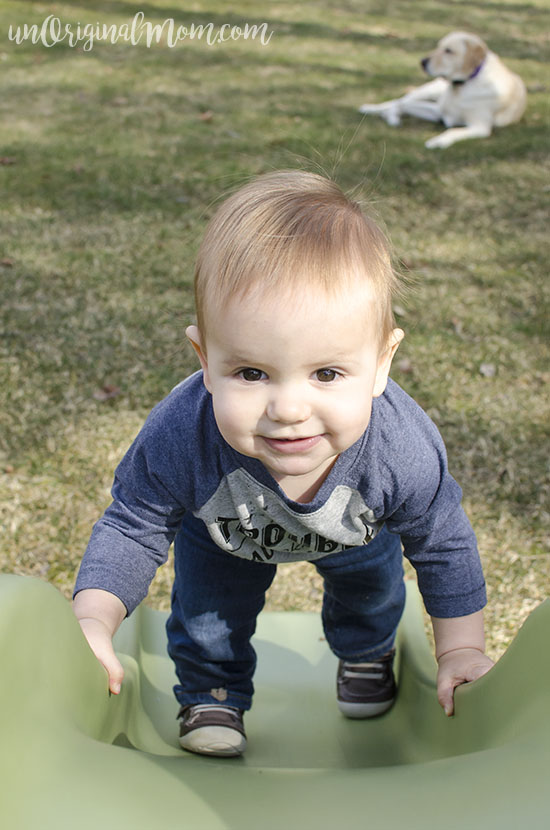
73, 757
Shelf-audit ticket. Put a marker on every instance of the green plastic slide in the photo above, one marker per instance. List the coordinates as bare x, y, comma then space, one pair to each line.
73, 757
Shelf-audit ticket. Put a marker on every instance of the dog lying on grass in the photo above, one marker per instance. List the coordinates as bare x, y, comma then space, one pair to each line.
472, 92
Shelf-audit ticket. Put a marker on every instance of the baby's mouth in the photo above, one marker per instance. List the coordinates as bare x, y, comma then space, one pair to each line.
293, 445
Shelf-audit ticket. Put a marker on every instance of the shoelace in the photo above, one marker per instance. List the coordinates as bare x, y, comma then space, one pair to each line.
210, 707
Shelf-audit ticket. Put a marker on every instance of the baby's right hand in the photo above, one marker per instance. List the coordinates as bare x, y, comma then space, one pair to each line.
100, 613
99, 640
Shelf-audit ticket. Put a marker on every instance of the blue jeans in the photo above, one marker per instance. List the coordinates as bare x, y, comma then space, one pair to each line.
217, 597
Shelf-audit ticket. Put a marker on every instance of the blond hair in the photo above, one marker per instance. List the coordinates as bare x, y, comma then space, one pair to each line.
288, 230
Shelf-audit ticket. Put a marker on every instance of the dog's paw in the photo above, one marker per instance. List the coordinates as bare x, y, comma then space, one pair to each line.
388, 112
369, 109
438, 142
392, 117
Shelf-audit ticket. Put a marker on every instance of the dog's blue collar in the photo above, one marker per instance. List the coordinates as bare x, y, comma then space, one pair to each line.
476, 71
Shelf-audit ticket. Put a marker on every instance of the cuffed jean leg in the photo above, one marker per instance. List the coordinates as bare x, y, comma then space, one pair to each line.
364, 598
216, 599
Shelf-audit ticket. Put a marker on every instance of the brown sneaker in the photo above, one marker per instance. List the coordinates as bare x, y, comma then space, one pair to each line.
212, 729
366, 689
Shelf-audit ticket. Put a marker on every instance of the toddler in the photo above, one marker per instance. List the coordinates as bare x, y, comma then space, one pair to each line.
290, 444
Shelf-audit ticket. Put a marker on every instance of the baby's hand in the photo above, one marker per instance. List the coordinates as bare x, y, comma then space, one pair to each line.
100, 613
461, 665
99, 640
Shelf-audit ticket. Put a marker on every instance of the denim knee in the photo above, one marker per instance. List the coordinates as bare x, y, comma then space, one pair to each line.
364, 597
216, 599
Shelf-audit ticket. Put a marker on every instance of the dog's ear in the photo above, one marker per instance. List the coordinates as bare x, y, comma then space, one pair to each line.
474, 56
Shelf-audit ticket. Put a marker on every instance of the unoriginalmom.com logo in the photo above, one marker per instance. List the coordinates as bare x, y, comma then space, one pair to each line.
53, 31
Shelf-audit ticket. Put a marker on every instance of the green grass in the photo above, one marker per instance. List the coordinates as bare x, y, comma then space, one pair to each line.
114, 172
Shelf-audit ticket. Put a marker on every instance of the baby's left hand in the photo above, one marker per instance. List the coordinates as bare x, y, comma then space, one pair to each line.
461, 665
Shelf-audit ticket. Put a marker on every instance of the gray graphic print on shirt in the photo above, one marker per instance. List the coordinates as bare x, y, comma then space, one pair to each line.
249, 520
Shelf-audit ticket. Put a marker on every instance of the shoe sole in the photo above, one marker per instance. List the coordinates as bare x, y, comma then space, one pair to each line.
364, 710
223, 743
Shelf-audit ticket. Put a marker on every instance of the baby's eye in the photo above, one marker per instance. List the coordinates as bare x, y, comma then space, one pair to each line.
326, 375
251, 375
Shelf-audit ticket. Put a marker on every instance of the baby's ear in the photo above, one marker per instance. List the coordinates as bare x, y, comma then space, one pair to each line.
194, 336
385, 360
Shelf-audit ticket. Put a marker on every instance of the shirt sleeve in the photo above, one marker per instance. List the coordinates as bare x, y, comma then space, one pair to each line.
423, 505
132, 538
438, 539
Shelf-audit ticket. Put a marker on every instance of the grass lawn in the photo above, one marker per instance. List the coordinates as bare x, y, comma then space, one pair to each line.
112, 160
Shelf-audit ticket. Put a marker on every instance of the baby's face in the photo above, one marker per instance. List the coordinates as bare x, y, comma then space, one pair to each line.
292, 383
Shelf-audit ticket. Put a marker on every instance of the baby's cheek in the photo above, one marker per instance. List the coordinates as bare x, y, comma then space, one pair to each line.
352, 421
233, 416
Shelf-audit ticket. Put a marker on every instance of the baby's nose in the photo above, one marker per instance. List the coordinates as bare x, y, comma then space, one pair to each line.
288, 406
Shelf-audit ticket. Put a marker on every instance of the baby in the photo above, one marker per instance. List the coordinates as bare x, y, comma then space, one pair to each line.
290, 444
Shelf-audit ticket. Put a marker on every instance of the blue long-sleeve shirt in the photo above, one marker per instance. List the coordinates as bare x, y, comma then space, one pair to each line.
395, 474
